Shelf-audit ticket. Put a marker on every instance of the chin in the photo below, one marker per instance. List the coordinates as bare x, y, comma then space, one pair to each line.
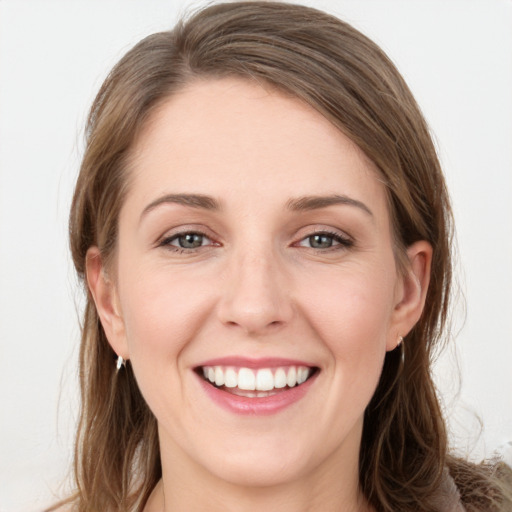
277, 458
259, 471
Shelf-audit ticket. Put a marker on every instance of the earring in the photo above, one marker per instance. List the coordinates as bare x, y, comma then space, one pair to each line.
120, 362
400, 346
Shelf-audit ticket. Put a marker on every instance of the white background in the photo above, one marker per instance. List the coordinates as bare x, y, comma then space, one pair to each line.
455, 54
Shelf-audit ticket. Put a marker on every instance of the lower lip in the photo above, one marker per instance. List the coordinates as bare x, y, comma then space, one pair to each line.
257, 405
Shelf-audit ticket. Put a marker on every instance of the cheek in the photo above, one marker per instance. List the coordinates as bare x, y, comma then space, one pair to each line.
162, 314
351, 305
351, 313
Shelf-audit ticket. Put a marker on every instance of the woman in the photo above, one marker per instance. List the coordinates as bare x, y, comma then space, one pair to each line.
264, 230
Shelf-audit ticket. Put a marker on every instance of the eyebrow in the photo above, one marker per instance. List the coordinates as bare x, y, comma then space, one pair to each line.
316, 202
193, 200
300, 204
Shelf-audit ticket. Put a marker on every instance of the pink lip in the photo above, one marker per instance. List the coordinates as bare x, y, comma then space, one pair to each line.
243, 362
256, 406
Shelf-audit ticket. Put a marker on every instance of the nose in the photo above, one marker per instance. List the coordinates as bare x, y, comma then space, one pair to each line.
255, 294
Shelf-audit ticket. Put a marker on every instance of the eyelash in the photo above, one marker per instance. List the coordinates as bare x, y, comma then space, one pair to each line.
341, 242
167, 242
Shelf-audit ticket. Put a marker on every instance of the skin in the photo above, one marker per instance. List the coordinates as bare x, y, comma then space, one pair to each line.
257, 286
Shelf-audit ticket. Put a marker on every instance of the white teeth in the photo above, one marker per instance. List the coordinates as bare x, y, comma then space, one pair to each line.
219, 376
302, 375
291, 378
230, 378
246, 379
264, 379
280, 378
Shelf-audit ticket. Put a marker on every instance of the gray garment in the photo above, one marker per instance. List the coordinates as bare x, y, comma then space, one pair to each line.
449, 501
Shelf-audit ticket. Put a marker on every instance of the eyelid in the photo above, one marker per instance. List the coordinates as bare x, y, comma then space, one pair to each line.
179, 235
175, 233
343, 240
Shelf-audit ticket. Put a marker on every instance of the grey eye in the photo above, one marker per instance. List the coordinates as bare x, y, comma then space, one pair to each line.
325, 240
189, 240
320, 241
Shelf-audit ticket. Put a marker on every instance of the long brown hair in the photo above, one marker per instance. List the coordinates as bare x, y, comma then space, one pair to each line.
347, 78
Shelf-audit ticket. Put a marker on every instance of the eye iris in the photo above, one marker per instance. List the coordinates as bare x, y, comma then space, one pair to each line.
320, 241
190, 240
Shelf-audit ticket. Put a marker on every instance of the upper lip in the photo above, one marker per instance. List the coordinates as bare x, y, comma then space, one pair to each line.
254, 363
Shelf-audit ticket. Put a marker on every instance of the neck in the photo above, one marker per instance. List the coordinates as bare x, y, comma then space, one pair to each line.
254, 500
333, 486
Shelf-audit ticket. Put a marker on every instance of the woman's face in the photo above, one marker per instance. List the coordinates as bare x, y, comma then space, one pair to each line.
254, 249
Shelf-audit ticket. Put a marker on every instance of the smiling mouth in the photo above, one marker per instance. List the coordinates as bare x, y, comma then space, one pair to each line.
256, 383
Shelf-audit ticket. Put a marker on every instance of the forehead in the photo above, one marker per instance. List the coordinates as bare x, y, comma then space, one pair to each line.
232, 136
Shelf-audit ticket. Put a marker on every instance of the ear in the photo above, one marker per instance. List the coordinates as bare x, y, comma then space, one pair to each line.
104, 293
411, 292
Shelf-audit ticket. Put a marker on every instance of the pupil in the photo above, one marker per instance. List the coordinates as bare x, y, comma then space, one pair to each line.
191, 241
320, 241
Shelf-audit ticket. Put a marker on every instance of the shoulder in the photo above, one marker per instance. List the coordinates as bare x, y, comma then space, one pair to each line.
449, 496
485, 487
